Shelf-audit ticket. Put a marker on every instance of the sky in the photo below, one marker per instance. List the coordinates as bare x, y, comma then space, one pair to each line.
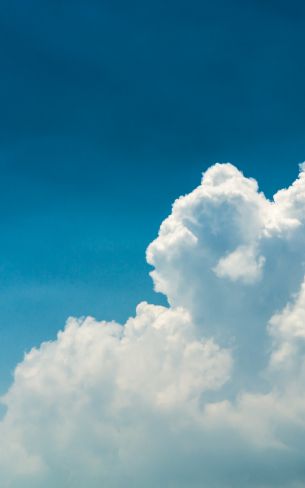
109, 112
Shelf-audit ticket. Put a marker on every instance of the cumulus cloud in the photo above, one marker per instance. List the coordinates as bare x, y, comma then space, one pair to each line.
208, 391
232, 258
241, 264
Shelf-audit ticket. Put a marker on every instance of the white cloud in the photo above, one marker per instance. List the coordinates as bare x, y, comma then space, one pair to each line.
287, 329
207, 392
241, 264
94, 394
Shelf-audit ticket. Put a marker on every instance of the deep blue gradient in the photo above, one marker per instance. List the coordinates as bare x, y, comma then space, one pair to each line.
109, 111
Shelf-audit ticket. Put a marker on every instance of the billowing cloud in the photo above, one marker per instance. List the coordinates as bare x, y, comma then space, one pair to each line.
209, 391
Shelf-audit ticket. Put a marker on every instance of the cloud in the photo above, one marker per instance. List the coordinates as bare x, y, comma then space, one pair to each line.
208, 391
232, 258
241, 264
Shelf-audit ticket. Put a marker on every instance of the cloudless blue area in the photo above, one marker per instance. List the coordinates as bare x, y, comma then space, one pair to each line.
109, 111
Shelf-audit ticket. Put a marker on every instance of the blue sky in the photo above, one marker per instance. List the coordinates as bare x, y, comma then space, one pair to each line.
111, 110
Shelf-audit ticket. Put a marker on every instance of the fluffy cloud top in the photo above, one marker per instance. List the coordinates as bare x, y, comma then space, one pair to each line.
209, 391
